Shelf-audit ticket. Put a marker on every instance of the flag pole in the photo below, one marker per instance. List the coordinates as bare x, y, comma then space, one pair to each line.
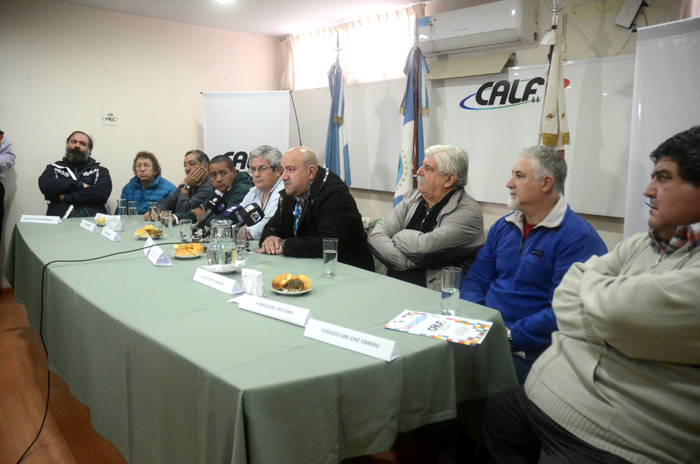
416, 104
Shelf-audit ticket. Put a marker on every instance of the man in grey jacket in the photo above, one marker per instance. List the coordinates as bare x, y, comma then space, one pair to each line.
195, 189
436, 225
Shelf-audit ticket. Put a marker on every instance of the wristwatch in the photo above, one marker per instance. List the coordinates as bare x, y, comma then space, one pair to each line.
187, 187
282, 244
510, 337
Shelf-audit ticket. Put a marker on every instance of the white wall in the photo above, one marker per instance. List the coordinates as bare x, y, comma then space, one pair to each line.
591, 33
61, 63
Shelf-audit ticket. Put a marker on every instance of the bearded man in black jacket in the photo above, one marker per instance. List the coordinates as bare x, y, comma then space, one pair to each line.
76, 186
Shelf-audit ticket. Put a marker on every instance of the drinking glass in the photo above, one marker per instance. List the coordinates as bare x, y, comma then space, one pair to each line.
152, 213
186, 230
330, 257
133, 211
239, 237
122, 210
166, 222
451, 281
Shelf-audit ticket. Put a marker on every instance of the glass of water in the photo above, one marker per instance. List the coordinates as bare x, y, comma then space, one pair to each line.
239, 237
451, 282
152, 213
330, 257
186, 230
133, 211
166, 222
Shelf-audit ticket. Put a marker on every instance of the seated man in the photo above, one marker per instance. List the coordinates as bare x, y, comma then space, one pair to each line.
315, 204
528, 252
265, 168
76, 186
620, 381
232, 185
436, 225
195, 189
147, 183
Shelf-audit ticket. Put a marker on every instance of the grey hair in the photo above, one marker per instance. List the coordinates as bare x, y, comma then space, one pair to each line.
451, 160
271, 154
546, 162
201, 156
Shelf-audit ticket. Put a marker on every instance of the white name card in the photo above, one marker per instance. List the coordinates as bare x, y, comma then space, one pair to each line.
40, 219
252, 282
157, 256
353, 340
214, 280
89, 226
110, 234
284, 312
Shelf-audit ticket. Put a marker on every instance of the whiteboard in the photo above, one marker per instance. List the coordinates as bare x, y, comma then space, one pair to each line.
599, 103
237, 122
667, 78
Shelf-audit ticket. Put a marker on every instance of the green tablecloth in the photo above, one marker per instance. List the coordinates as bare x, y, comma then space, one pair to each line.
174, 373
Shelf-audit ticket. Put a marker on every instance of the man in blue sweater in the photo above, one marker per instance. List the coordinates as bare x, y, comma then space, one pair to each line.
528, 252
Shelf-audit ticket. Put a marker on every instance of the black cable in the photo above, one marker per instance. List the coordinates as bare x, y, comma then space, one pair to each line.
634, 29
41, 329
295, 116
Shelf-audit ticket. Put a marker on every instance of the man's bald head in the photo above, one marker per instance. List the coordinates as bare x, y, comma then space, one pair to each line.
300, 165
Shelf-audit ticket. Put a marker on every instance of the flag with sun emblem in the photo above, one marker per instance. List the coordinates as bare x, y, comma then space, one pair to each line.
413, 108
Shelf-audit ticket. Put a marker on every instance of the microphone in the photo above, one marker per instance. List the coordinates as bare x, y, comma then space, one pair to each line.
245, 215
214, 206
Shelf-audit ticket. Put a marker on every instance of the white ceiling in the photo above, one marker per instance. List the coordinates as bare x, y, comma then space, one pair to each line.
277, 18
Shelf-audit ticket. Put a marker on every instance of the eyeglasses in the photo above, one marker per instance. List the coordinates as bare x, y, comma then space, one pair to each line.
261, 169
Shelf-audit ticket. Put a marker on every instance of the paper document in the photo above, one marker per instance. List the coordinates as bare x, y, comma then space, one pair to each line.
451, 328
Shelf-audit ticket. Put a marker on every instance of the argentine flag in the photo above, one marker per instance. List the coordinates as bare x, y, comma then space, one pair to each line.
337, 154
413, 108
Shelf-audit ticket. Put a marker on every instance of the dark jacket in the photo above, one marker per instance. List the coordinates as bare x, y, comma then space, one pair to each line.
233, 196
61, 179
329, 212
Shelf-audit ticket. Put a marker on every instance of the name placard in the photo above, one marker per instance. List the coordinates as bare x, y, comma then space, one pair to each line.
40, 219
89, 226
283, 312
110, 234
214, 280
377, 347
252, 282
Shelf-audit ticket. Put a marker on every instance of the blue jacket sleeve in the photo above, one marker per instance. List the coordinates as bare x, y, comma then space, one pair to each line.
482, 272
536, 330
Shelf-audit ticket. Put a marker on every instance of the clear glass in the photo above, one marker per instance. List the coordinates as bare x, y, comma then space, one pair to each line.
239, 237
152, 217
330, 257
123, 214
121, 206
185, 230
166, 222
221, 248
133, 211
451, 282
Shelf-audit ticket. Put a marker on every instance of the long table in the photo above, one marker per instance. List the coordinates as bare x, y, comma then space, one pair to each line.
173, 373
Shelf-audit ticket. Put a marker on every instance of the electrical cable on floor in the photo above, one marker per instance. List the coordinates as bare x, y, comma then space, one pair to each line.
41, 329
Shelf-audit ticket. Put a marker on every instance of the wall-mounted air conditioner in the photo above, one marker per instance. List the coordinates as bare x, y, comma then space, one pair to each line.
505, 25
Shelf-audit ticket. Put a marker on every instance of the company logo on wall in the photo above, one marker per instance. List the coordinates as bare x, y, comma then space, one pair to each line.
239, 158
505, 94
